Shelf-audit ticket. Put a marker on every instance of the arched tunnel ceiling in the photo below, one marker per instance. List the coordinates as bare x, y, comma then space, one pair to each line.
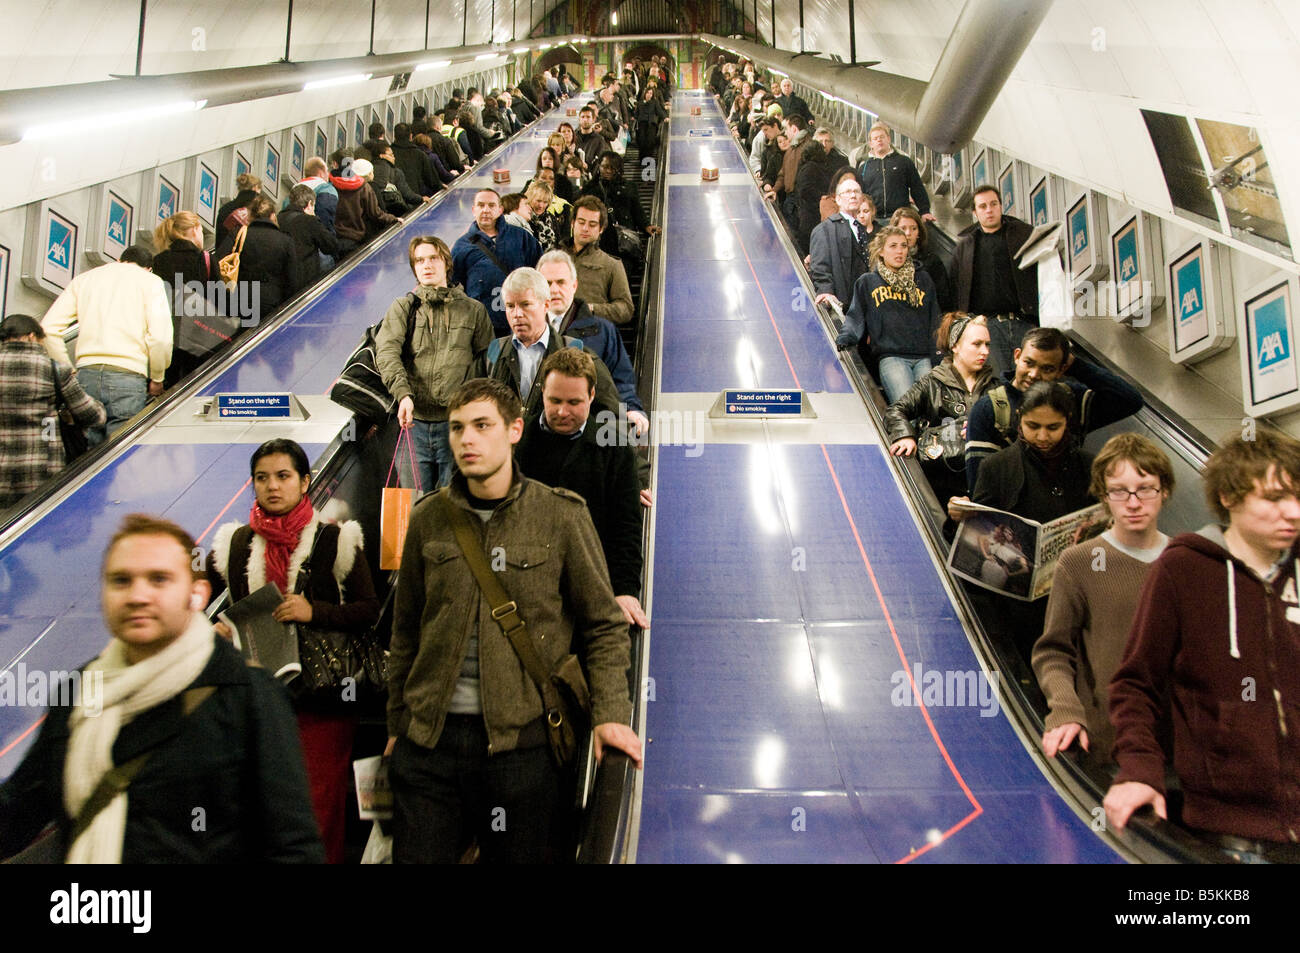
1072, 104
52, 42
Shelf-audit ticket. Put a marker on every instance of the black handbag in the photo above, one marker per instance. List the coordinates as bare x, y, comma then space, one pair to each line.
360, 387
565, 695
944, 442
330, 657
73, 435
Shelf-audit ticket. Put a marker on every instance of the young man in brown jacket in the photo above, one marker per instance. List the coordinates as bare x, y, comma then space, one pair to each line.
467, 729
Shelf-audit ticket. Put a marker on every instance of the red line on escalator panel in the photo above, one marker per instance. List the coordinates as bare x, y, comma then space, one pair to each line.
976, 808
13, 744
224, 509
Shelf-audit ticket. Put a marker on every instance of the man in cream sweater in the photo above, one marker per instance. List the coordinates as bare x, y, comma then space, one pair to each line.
124, 335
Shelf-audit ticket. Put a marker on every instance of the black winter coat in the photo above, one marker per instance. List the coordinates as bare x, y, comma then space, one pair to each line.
236, 756
416, 167
811, 183
268, 263
938, 396
310, 239
603, 475
1016, 479
893, 182
1017, 233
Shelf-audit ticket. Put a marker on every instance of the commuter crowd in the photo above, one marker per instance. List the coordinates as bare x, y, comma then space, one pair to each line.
498, 369
1143, 646
494, 368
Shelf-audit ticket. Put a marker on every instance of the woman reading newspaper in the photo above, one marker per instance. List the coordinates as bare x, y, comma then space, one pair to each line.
1042, 476
288, 539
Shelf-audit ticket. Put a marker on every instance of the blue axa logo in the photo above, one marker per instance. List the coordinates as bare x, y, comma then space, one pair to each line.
60, 250
1272, 349
117, 223
1274, 341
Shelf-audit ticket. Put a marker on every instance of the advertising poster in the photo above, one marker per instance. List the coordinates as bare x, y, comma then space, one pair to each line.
1268, 333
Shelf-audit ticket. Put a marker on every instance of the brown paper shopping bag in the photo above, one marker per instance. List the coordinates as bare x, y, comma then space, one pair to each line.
395, 508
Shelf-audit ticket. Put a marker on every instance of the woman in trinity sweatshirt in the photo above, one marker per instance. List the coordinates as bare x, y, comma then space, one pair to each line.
896, 305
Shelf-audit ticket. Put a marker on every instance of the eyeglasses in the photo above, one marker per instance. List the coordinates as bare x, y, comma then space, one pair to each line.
1144, 493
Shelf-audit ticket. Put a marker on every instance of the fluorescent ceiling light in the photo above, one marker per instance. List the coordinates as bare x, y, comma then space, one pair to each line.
520, 49
436, 64
336, 81
77, 124
613, 18
545, 46
486, 56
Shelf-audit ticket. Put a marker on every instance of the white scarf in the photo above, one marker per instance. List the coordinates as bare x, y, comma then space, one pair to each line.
128, 690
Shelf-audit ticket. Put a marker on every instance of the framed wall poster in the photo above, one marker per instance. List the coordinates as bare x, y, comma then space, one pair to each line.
242, 165
111, 225
167, 196
271, 170
359, 129
1270, 379
979, 169
322, 144
1084, 221
207, 186
1009, 186
402, 107
1136, 264
1200, 297
49, 248
922, 160
297, 157
374, 115
4, 281
388, 117
1040, 203
960, 180
340, 135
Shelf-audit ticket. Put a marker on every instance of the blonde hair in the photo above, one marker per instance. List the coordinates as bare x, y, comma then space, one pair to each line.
172, 229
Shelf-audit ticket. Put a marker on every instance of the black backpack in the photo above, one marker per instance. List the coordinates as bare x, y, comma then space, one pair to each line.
360, 387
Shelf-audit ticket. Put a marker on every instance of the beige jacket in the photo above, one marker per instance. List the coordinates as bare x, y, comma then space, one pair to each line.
451, 333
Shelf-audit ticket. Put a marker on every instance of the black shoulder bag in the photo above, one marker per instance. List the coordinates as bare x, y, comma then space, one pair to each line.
70, 432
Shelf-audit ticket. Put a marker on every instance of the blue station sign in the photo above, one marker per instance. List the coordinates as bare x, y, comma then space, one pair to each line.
762, 403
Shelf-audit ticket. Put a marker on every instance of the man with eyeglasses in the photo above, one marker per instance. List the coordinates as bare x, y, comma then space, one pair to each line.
838, 247
1095, 593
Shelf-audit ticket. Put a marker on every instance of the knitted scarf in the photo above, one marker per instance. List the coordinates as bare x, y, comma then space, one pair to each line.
281, 534
902, 280
127, 691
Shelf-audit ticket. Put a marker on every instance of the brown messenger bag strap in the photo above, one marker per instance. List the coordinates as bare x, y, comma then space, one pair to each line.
504, 610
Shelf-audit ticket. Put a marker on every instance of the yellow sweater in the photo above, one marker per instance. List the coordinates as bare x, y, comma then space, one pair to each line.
123, 319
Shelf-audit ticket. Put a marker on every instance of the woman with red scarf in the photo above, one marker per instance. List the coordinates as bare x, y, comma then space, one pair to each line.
284, 534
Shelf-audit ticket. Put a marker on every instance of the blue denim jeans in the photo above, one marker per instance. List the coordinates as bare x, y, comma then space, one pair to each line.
898, 374
122, 393
433, 455
1005, 335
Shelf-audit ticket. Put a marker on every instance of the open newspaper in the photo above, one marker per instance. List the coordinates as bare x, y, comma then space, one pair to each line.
260, 639
1015, 556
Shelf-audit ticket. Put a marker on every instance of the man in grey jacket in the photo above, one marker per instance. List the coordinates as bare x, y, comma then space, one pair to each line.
467, 727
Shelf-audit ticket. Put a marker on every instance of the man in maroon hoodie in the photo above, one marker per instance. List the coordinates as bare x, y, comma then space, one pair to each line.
1216, 641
